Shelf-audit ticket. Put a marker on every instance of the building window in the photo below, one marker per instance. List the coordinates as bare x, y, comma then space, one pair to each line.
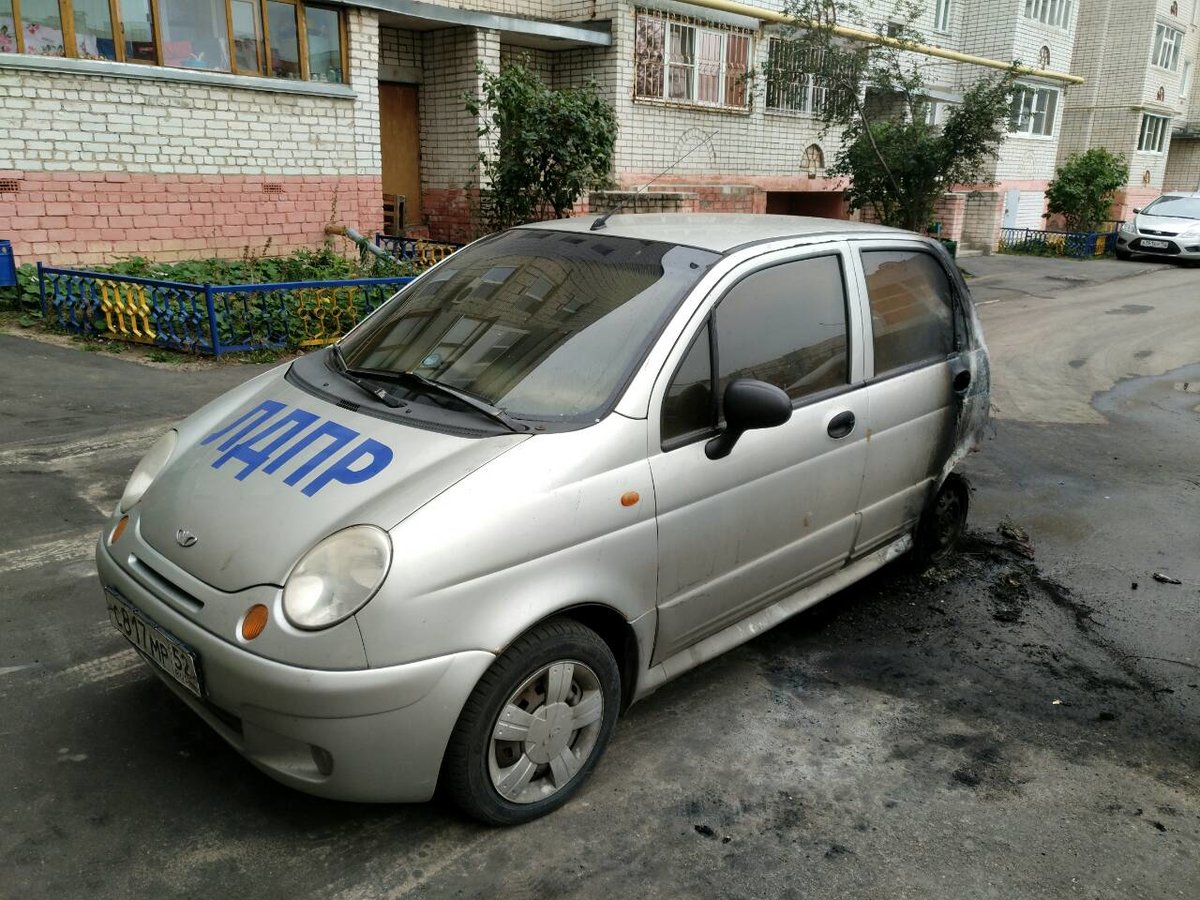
941, 15
792, 83
1167, 42
1154, 133
1044, 57
1056, 13
690, 62
1185, 80
283, 38
1033, 110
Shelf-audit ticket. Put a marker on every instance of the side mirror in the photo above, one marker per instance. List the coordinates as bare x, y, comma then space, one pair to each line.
748, 404
1136, 210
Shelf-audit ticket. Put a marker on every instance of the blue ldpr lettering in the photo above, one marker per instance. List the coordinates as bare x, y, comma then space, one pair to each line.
343, 470
266, 409
341, 436
245, 451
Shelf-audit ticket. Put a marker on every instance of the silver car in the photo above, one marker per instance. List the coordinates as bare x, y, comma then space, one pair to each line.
571, 462
1166, 226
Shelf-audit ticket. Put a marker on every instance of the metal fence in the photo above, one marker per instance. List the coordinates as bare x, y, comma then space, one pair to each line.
206, 318
415, 250
1075, 244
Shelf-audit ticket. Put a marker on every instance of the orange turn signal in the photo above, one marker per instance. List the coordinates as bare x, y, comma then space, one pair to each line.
629, 498
254, 622
118, 531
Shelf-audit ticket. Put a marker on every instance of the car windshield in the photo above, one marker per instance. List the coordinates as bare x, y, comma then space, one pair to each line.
541, 324
1174, 207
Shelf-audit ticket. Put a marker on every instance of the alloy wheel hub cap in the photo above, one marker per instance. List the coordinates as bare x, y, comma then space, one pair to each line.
550, 733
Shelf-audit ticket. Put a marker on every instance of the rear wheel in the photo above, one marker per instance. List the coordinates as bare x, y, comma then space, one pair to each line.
535, 726
943, 523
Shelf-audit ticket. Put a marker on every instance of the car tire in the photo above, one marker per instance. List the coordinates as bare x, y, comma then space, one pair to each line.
1122, 254
942, 524
555, 694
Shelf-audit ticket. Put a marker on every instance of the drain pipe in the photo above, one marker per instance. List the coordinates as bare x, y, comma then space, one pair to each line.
870, 37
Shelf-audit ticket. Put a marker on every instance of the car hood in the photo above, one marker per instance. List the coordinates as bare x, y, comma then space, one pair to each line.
260, 476
1169, 224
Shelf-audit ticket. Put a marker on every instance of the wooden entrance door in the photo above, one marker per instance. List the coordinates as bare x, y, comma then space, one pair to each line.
400, 146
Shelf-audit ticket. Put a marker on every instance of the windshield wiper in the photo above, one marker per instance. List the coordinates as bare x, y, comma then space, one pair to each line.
374, 390
429, 386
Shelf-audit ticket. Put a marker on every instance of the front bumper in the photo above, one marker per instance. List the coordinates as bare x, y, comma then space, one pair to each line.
379, 734
1178, 246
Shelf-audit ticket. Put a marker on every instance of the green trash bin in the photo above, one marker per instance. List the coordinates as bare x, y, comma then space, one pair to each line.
951, 247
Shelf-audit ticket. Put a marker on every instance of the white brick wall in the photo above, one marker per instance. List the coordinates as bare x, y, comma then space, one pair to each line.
1114, 53
150, 125
450, 147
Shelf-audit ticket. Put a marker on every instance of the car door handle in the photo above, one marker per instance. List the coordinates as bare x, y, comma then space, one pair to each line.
841, 424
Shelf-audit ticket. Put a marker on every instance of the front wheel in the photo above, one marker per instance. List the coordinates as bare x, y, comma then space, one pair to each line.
1122, 254
535, 725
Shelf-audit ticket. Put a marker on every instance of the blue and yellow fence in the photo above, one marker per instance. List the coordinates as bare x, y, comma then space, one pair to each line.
419, 251
206, 318
1075, 244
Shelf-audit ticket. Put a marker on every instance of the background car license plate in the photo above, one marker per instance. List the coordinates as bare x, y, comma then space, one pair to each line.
163, 649
1159, 245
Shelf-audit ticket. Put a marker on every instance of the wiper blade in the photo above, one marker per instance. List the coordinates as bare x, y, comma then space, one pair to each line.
374, 390
428, 385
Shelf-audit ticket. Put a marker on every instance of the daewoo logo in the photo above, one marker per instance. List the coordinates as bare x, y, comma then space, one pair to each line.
267, 438
185, 538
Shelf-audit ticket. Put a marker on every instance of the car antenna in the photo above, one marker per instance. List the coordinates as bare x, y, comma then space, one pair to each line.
603, 220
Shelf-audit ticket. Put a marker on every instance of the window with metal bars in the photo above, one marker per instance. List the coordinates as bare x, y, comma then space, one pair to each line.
686, 61
793, 83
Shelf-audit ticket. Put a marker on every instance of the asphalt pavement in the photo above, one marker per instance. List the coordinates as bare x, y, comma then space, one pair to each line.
1021, 722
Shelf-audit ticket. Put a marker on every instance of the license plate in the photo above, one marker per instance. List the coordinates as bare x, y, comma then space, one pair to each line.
1158, 245
156, 643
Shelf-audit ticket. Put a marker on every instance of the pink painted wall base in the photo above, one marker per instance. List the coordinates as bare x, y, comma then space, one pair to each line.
88, 218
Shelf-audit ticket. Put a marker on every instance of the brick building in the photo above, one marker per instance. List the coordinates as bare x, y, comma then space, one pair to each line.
1137, 59
202, 126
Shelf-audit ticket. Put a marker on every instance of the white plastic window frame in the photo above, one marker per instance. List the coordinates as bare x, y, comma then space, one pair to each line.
1035, 101
1153, 134
1167, 43
1055, 13
941, 16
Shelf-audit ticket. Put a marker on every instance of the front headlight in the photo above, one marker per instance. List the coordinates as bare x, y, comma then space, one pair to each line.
1127, 228
147, 470
335, 578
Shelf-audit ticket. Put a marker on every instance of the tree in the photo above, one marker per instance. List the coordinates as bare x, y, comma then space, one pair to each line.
1083, 187
547, 146
898, 163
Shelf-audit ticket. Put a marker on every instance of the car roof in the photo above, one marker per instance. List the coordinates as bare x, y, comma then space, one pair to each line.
718, 232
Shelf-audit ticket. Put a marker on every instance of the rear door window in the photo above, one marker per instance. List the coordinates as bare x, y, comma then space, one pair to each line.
912, 308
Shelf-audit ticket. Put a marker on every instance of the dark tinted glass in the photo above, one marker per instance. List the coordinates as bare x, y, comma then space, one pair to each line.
543, 324
786, 325
911, 308
688, 406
